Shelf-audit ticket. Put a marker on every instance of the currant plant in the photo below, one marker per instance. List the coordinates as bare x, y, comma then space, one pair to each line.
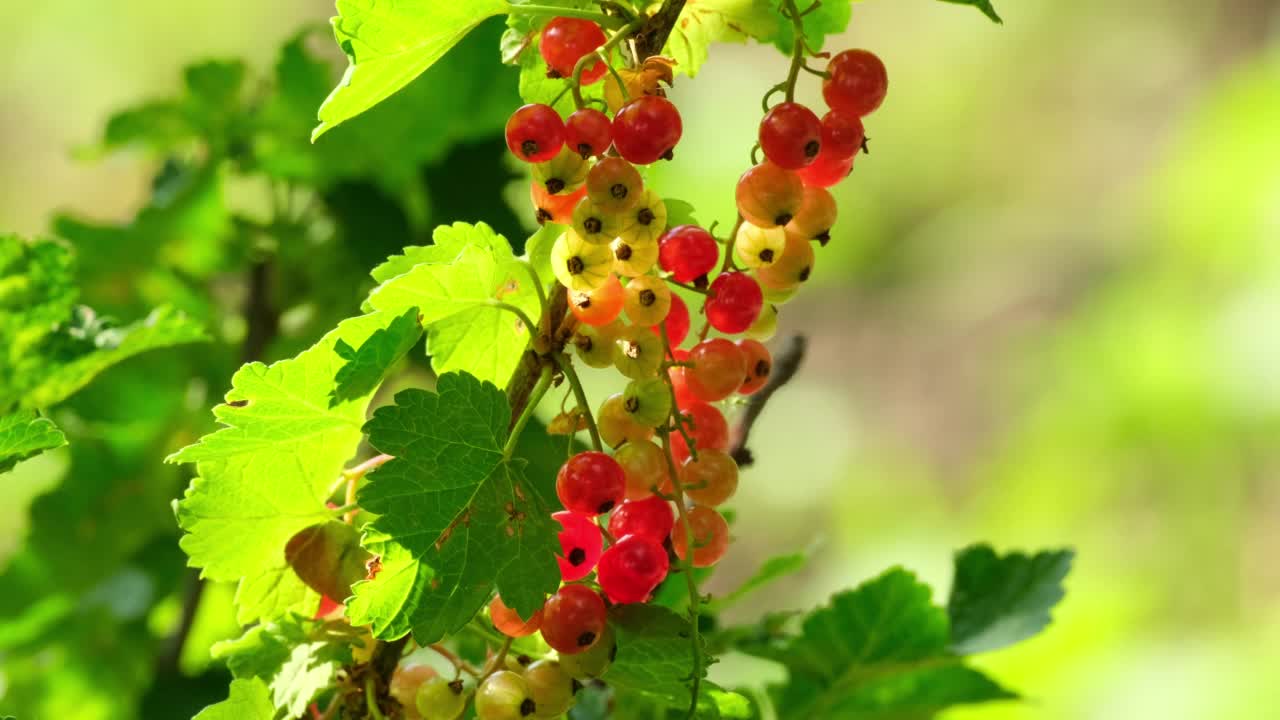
367, 534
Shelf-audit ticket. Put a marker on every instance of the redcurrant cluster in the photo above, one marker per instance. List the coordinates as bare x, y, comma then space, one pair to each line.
631, 515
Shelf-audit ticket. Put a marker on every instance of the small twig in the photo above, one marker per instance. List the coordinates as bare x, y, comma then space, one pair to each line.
687, 565
566, 366
371, 699
785, 365
496, 665
459, 665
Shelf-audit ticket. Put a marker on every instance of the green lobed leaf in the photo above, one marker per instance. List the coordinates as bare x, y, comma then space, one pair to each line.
455, 285
249, 700
714, 21
998, 600
295, 656
655, 654
537, 249
388, 44
983, 5
267, 474
830, 18
455, 516
368, 365
23, 434
37, 292
880, 650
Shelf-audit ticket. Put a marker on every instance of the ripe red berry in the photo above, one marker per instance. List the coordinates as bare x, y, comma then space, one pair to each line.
565, 41
591, 483
717, 371
790, 135
769, 195
631, 568
826, 171
709, 431
688, 252
554, 208
759, 365
646, 129
842, 134
650, 518
677, 322
679, 382
600, 306
508, 621
710, 539
573, 619
856, 82
580, 545
535, 133
588, 132
734, 302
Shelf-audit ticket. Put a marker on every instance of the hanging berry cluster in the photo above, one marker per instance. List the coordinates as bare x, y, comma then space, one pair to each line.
619, 262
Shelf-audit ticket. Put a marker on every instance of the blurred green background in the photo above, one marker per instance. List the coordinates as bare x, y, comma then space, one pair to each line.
1050, 313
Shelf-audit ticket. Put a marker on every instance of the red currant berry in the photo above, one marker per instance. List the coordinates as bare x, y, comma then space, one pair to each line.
406, 680
711, 478
646, 467
709, 431
646, 129
614, 185
535, 133
734, 302
826, 171
591, 483
790, 135
554, 208
600, 306
679, 382
688, 252
710, 539
677, 322
327, 605
792, 269
631, 568
769, 195
573, 619
648, 300
580, 545
504, 695
717, 370
565, 41
842, 134
856, 82
650, 518
816, 216
508, 621
588, 132
616, 426
759, 365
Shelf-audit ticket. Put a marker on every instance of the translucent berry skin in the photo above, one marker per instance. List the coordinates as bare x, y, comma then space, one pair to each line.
504, 695
578, 264
631, 259
646, 129
709, 431
711, 478
551, 688
592, 662
790, 135
588, 132
508, 621
734, 302
769, 195
757, 247
710, 537
826, 171
842, 134
759, 365
765, 326
631, 568
595, 344
645, 223
535, 133
439, 699
650, 518
564, 42
676, 322
573, 619
792, 269
580, 546
856, 82
637, 353
679, 382
614, 185
590, 483
554, 208
646, 468
600, 306
617, 427
406, 680
717, 371
688, 252
816, 216
648, 401
648, 300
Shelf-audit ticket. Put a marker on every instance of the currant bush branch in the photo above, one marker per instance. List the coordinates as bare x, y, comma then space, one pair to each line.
539, 390
601, 54
785, 366
566, 366
798, 48
692, 583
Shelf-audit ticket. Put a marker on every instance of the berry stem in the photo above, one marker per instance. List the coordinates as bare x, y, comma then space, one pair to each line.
728, 245
544, 382
459, 665
675, 402
537, 285
551, 11
690, 580
350, 507
496, 664
686, 286
600, 53
371, 699
529, 325
566, 367
797, 49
